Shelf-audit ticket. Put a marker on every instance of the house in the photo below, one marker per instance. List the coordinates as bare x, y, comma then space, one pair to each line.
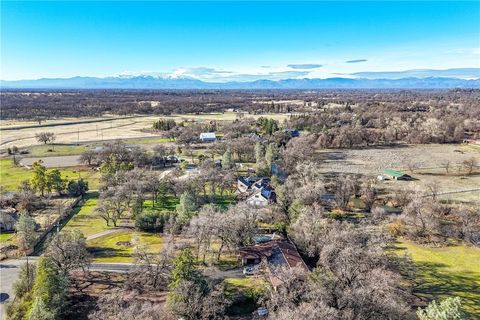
277, 253
245, 183
262, 197
257, 191
208, 137
396, 175
292, 132
8, 219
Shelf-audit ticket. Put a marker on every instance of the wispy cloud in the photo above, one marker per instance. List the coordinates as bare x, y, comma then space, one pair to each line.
463, 73
356, 61
198, 72
305, 66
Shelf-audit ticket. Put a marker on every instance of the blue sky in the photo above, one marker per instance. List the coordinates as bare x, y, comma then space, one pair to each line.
219, 41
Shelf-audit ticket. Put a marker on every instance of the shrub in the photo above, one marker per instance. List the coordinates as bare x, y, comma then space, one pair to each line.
396, 228
151, 221
77, 188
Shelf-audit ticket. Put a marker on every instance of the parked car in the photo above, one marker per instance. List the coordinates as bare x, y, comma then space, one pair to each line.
262, 312
248, 271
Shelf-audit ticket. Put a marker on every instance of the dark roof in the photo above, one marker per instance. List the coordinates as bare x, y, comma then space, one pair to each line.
277, 252
262, 183
267, 192
248, 181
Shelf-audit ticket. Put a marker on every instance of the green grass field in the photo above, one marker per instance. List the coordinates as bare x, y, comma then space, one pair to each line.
5, 237
11, 176
168, 204
445, 272
57, 150
106, 248
85, 219
147, 140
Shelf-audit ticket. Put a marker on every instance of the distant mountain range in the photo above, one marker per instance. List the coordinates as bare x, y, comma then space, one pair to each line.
152, 82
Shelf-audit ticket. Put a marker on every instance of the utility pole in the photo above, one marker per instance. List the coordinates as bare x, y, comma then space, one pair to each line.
78, 137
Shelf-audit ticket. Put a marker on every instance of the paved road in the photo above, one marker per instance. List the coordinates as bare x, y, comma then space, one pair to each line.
54, 162
9, 272
104, 233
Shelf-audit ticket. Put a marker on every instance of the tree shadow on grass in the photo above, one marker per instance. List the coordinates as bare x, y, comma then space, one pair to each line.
434, 281
102, 252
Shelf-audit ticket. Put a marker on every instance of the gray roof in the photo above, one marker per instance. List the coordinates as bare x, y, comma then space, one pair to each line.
208, 135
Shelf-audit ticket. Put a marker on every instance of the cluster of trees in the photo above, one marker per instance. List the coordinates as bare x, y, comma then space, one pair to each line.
45, 181
191, 295
234, 228
385, 121
354, 278
115, 156
41, 291
41, 105
426, 220
164, 124
267, 126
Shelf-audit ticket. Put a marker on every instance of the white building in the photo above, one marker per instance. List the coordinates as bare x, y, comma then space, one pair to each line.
208, 137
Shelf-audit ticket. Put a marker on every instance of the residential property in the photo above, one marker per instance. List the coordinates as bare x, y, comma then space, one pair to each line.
262, 197
8, 219
396, 175
276, 253
208, 137
258, 191
245, 183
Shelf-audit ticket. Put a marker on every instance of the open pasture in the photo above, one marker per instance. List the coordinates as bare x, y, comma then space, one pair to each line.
22, 134
11, 176
428, 163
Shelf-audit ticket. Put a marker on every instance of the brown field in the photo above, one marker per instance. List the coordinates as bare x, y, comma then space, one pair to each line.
86, 130
428, 159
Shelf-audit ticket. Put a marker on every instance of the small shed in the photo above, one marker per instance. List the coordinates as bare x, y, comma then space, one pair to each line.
208, 137
396, 175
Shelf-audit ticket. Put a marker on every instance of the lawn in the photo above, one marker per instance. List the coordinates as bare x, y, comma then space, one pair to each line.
447, 271
6, 237
85, 219
245, 292
167, 204
57, 150
11, 175
108, 249
147, 140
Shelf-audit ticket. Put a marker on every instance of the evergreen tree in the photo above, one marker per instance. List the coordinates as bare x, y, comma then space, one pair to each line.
259, 153
39, 179
25, 227
227, 161
186, 207
270, 154
55, 181
184, 268
49, 291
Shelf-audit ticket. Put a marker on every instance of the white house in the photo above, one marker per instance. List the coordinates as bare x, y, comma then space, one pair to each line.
208, 137
261, 197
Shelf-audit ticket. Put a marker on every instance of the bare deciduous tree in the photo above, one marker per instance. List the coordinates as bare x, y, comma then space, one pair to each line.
68, 251
470, 165
345, 188
45, 137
